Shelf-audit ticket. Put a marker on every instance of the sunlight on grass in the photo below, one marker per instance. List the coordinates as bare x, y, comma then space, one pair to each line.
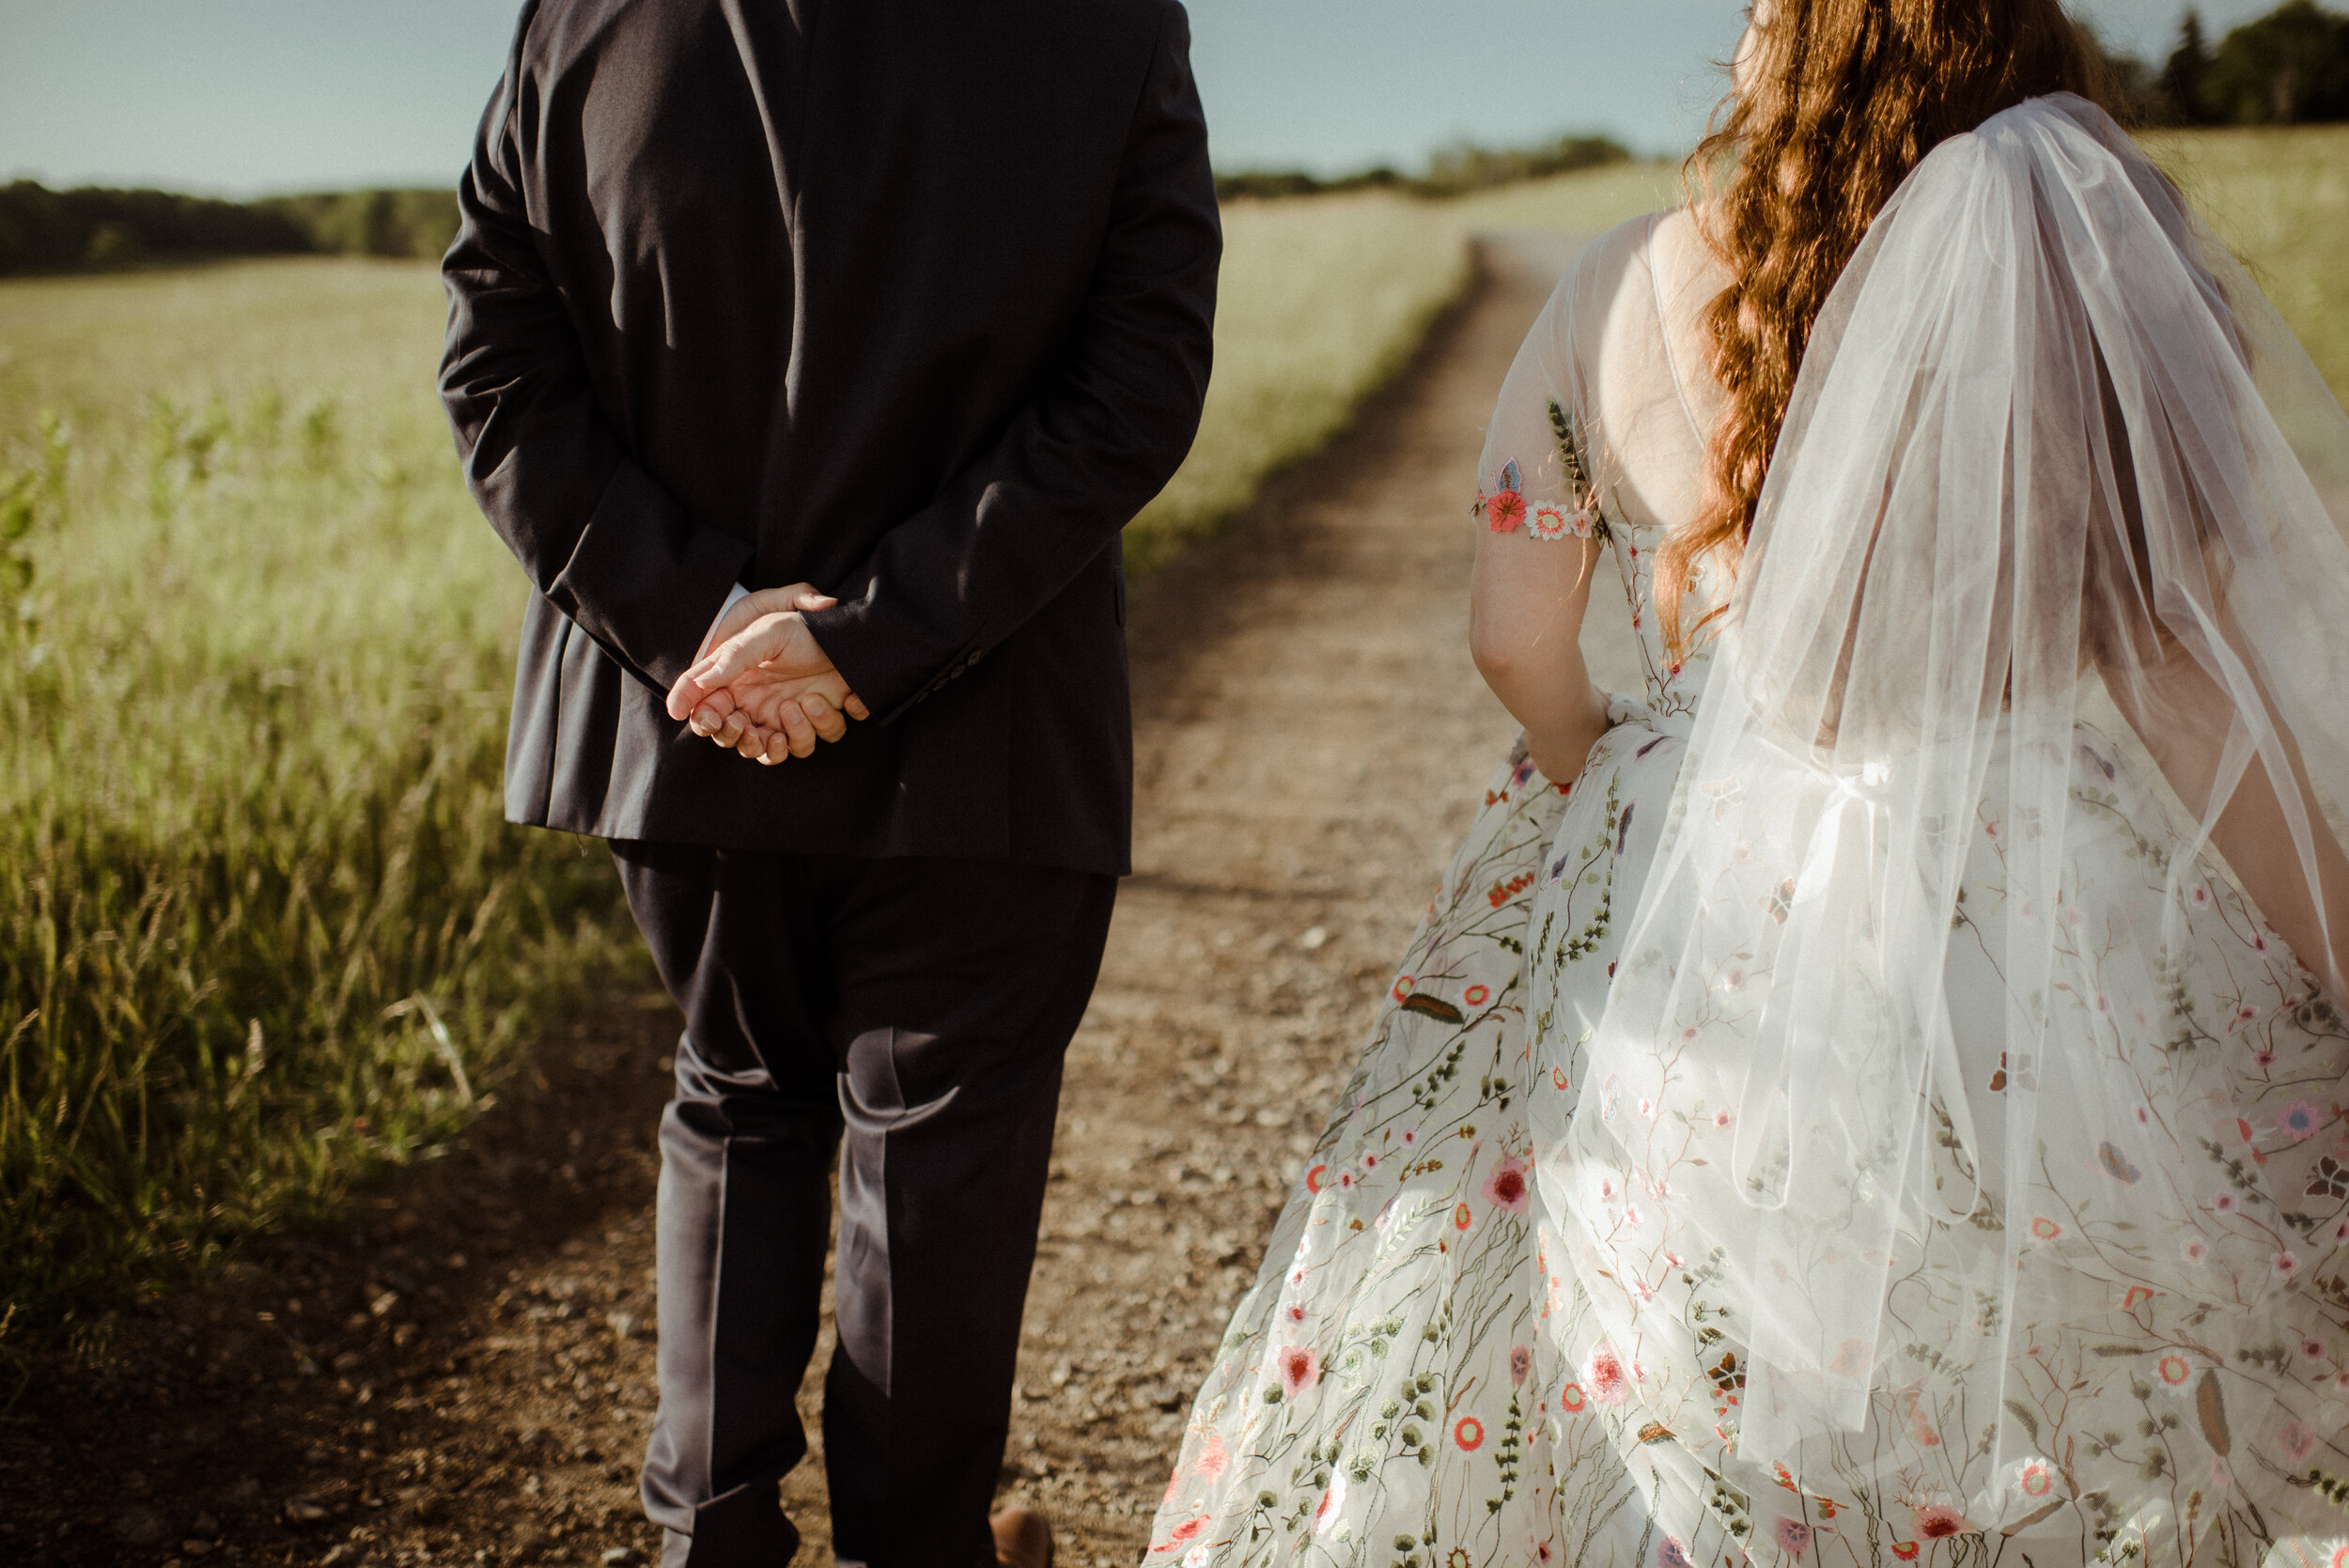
261, 922
1321, 301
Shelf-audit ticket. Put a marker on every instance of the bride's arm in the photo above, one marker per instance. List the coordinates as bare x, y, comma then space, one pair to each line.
1525, 626
2183, 715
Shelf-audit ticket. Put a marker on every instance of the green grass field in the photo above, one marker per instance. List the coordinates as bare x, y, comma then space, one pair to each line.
262, 926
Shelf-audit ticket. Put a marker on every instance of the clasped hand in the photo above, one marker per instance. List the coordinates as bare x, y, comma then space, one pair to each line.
761, 685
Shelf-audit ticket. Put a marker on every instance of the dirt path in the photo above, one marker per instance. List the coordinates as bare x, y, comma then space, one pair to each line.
463, 1373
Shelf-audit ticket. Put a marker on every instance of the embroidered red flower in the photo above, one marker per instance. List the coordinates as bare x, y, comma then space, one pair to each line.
1506, 1188
1504, 511
1469, 1433
1935, 1520
1299, 1367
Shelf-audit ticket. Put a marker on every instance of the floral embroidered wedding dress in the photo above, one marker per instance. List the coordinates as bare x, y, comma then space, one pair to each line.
2113, 1328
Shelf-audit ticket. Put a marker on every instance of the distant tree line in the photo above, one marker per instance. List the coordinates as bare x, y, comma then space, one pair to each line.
1453, 171
2290, 67
97, 229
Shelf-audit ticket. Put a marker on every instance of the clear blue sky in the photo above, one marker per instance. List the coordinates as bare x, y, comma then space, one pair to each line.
248, 96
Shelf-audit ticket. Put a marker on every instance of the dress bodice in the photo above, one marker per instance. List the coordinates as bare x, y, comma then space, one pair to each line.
1601, 428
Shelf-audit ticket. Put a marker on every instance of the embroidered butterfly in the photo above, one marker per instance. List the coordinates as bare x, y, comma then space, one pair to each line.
2329, 1180
2116, 1164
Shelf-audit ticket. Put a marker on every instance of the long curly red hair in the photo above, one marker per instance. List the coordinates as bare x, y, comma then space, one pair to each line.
1839, 101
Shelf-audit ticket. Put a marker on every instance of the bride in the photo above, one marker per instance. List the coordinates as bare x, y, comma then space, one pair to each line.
1883, 1103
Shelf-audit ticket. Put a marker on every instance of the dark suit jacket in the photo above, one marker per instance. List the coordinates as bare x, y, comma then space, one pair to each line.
908, 299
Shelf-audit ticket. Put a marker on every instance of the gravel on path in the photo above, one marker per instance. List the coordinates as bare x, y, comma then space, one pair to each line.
461, 1370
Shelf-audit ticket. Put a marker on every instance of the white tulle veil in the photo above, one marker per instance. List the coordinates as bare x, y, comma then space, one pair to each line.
2051, 454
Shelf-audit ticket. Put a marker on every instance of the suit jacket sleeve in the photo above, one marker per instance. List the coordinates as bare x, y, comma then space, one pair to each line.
604, 542
1107, 429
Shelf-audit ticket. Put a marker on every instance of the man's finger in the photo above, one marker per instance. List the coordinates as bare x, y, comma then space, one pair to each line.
828, 722
855, 708
801, 734
777, 751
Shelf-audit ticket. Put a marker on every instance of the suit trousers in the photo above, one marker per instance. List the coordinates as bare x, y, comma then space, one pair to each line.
911, 1014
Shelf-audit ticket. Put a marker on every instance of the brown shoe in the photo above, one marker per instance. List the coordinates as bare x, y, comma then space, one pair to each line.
1023, 1539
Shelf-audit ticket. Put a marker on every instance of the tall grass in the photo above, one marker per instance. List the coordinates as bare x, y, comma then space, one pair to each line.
261, 923
2280, 200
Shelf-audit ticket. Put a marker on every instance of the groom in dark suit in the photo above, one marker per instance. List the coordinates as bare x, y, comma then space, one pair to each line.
909, 301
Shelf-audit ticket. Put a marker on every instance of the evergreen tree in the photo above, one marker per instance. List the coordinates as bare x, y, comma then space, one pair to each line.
2288, 67
2183, 77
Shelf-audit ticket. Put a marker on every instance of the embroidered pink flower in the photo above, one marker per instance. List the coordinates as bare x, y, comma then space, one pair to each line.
2174, 1370
1904, 1550
1521, 1363
1605, 1374
1182, 1532
2285, 1263
1571, 1399
1793, 1535
1506, 1188
1672, 1554
1477, 996
1936, 1520
2313, 1349
1333, 1504
2045, 1228
1504, 511
2296, 1441
2301, 1120
1470, 1434
1299, 1367
1548, 523
1461, 1217
2037, 1479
